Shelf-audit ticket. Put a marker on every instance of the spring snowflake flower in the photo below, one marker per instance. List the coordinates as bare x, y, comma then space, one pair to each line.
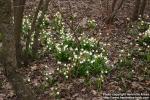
75, 56
101, 76
87, 72
76, 49
57, 69
57, 93
106, 71
71, 49
92, 61
122, 51
65, 73
90, 53
46, 78
66, 76
58, 62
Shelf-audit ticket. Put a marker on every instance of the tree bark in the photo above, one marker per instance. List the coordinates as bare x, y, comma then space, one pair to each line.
114, 4
37, 31
18, 6
136, 10
111, 17
22, 91
142, 8
33, 24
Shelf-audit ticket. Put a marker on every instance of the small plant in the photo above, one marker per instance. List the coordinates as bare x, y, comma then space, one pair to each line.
26, 27
88, 44
57, 23
138, 27
146, 56
91, 24
142, 26
99, 82
145, 41
63, 56
125, 62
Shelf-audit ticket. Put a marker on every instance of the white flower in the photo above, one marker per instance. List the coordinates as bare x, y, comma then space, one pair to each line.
65, 73
28, 80
57, 69
90, 53
46, 74
122, 51
46, 78
128, 18
139, 49
81, 62
107, 62
46, 66
57, 93
79, 38
81, 53
65, 64
95, 56
75, 56
66, 76
58, 62
87, 72
92, 61
101, 76
76, 49
71, 49
105, 58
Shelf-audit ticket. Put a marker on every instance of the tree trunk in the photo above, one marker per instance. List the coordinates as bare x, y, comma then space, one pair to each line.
37, 32
18, 6
22, 91
142, 8
114, 4
33, 24
109, 20
136, 10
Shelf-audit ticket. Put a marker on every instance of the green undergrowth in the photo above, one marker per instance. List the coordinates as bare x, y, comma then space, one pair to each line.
77, 54
81, 56
137, 27
77, 57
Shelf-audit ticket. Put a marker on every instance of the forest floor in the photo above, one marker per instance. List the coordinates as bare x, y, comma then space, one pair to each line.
119, 44
119, 80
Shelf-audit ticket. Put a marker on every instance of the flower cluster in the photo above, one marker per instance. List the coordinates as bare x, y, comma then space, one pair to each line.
77, 57
91, 24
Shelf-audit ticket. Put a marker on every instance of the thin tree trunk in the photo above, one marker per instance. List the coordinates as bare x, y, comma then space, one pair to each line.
114, 4
22, 91
18, 6
37, 32
111, 17
136, 10
142, 8
33, 24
